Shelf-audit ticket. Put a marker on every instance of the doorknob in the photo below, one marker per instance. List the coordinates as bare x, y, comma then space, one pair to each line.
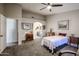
1, 35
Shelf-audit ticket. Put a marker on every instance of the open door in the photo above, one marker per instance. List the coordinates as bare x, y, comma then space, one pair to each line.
2, 33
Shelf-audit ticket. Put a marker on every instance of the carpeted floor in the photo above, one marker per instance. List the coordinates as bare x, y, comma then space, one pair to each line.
30, 48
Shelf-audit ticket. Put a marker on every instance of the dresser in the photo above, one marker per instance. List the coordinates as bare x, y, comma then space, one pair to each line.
29, 36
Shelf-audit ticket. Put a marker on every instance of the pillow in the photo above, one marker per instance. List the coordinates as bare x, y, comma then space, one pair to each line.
62, 34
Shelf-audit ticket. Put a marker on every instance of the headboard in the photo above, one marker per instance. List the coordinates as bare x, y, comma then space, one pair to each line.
50, 33
62, 34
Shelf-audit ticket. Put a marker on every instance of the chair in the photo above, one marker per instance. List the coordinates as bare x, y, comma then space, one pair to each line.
69, 49
68, 52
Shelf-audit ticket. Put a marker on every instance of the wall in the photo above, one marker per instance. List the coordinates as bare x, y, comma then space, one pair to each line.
1, 8
26, 20
27, 14
72, 16
13, 10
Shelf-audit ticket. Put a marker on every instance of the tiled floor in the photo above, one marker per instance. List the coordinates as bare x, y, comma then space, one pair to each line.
30, 48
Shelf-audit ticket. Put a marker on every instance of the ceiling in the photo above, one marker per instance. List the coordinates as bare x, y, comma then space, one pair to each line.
35, 7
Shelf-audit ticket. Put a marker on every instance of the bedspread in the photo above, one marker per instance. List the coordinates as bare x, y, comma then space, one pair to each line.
54, 41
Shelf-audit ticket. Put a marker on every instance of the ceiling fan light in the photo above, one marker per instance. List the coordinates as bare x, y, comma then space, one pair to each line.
49, 7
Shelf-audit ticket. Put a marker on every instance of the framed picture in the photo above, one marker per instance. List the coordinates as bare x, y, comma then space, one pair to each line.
64, 24
27, 26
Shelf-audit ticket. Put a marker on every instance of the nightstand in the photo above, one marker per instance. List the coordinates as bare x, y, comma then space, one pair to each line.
74, 40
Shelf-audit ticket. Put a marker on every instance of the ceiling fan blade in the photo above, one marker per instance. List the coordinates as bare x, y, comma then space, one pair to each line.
43, 8
56, 5
44, 3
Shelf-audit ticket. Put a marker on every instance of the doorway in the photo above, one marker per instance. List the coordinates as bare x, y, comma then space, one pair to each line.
37, 30
11, 31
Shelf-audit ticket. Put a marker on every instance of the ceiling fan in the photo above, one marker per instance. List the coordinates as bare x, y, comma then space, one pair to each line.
50, 5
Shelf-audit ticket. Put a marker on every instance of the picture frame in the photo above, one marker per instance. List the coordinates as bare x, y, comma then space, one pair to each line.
63, 24
27, 26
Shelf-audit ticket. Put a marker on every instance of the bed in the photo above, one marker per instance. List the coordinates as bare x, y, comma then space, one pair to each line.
52, 42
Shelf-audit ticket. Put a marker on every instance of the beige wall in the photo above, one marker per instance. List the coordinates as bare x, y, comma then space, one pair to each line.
27, 14
72, 16
1, 9
13, 10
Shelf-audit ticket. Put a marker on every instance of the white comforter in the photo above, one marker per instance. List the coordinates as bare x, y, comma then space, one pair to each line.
54, 41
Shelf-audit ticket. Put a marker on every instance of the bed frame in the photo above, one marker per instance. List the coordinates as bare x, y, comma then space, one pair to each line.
56, 49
